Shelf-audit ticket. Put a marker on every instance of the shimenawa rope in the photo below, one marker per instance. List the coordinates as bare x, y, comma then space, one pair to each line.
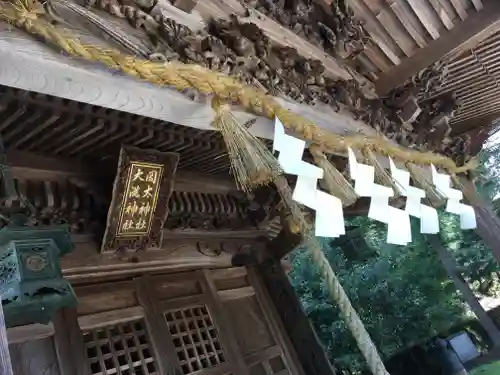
25, 15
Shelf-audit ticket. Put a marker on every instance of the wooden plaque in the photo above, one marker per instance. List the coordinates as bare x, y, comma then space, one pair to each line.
142, 188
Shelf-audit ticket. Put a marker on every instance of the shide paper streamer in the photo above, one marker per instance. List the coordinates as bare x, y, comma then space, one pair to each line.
467, 215
429, 221
397, 220
329, 213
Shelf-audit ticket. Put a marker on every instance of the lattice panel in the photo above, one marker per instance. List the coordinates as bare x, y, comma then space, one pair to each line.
121, 349
196, 339
272, 366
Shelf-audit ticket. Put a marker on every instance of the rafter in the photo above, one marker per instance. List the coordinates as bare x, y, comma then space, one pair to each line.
468, 33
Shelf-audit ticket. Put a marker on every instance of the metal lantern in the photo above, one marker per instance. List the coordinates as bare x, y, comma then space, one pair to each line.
31, 284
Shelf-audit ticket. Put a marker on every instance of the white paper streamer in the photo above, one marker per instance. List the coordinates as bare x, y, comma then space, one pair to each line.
399, 228
442, 181
431, 223
329, 212
397, 220
414, 207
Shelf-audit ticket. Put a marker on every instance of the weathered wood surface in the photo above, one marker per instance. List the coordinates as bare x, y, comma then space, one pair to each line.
277, 327
309, 350
99, 320
18, 335
488, 223
28, 165
142, 229
280, 35
34, 357
222, 322
157, 327
5, 362
87, 265
68, 340
468, 33
30, 65
160, 302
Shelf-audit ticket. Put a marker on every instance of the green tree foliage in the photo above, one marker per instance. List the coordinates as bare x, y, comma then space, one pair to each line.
488, 183
403, 296
477, 263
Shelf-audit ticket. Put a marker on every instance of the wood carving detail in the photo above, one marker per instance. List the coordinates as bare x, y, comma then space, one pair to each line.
210, 211
238, 47
62, 202
332, 27
216, 248
138, 211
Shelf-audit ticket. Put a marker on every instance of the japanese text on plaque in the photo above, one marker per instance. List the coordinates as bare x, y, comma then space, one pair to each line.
140, 198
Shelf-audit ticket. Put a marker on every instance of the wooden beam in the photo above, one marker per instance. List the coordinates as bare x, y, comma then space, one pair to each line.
463, 127
81, 267
109, 318
278, 329
488, 223
30, 332
281, 36
464, 35
28, 165
30, 65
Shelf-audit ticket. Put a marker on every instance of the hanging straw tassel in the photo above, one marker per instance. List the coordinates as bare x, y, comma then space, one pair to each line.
334, 180
381, 175
252, 163
425, 182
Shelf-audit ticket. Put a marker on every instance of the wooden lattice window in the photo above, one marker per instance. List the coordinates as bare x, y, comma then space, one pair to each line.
121, 349
272, 366
196, 339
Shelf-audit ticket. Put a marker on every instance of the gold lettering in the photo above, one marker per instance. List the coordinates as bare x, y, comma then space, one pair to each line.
128, 224
131, 208
135, 192
141, 224
138, 175
152, 176
144, 209
148, 192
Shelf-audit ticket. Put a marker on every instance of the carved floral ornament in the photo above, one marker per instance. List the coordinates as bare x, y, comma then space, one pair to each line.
28, 16
250, 161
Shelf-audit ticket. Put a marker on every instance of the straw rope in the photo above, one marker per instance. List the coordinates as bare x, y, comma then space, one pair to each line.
334, 287
24, 14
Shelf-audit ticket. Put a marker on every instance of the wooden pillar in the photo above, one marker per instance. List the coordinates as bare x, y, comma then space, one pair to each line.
68, 342
5, 363
451, 267
161, 341
488, 223
221, 321
309, 350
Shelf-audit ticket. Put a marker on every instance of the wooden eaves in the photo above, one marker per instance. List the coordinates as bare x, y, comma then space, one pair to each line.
478, 26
